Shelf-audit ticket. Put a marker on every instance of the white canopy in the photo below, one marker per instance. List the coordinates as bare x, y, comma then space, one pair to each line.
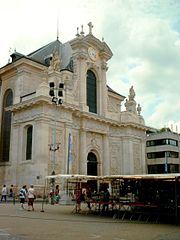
113, 177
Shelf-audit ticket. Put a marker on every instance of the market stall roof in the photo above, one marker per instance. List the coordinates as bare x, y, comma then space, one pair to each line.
172, 176
74, 177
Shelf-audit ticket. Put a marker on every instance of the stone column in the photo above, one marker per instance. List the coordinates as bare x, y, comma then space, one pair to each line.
83, 154
128, 164
82, 81
106, 157
14, 155
103, 96
40, 148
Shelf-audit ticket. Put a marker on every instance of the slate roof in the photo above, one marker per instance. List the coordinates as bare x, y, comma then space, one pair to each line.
44, 54
111, 90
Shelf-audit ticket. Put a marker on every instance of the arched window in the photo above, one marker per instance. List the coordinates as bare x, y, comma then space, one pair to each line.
29, 143
91, 91
6, 127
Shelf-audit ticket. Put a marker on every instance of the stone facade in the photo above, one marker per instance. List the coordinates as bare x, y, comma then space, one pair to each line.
115, 138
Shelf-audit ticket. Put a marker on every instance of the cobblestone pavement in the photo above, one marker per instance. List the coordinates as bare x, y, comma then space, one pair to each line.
58, 222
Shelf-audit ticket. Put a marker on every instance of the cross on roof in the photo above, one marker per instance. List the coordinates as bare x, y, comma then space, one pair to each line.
90, 27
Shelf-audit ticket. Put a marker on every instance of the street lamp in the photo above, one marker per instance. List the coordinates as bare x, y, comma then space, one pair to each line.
56, 93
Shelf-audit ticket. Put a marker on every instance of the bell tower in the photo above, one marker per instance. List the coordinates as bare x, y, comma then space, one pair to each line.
90, 58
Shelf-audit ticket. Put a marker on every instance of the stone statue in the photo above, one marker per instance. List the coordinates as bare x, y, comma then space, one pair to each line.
55, 62
131, 94
130, 103
139, 109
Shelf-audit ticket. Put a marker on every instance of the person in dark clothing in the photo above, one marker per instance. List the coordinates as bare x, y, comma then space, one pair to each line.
105, 199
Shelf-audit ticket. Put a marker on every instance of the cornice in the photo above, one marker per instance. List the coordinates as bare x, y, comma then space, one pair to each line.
90, 40
75, 111
29, 103
20, 65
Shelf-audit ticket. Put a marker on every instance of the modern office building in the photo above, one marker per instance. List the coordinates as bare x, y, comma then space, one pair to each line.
162, 152
58, 115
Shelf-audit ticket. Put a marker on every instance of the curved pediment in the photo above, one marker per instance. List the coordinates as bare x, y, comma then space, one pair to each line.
91, 40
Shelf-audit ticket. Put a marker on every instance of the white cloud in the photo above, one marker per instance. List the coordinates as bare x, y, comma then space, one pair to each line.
143, 35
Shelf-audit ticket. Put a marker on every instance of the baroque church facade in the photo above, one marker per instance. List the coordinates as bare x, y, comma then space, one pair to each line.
79, 129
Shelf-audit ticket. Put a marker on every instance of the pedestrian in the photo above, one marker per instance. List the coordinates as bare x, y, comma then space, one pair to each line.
11, 191
22, 196
31, 198
4, 193
105, 199
57, 196
88, 197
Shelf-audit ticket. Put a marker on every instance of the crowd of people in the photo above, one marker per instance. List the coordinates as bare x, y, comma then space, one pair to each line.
24, 195
27, 196
87, 195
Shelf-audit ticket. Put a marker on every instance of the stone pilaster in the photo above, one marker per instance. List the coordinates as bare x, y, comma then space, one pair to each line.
82, 81
83, 154
106, 157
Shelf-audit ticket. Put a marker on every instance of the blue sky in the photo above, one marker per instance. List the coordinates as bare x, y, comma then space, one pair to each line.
142, 34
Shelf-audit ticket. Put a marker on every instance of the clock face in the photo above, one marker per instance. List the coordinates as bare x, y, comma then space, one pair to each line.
92, 53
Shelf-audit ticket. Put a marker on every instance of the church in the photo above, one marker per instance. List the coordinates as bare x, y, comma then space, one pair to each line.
59, 116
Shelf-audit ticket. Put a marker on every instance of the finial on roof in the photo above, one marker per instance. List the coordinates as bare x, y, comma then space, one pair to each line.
102, 39
82, 32
77, 34
90, 27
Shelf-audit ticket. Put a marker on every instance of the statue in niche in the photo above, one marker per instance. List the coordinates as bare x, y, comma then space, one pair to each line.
55, 62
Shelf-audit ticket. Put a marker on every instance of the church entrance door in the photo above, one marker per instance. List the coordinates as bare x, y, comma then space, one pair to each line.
92, 170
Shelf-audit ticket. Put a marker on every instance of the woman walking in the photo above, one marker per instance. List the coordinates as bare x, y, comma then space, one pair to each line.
31, 197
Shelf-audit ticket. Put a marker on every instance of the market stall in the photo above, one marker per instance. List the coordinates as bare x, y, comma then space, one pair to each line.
149, 197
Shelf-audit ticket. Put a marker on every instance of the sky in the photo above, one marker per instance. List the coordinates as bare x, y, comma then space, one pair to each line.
144, 36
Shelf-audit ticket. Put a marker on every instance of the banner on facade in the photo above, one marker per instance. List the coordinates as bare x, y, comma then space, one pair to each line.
70, 156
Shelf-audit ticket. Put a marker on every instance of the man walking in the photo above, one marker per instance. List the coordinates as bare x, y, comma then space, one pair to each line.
4, 193
22, 196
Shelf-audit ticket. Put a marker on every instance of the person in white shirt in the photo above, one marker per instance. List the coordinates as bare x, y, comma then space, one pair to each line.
31, 197
4, 193
22, 196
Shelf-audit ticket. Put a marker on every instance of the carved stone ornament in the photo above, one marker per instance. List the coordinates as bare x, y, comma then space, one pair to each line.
130, 103
131, 94
55, 62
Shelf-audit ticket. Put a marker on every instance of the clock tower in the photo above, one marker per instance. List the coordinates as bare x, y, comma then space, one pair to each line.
91, 56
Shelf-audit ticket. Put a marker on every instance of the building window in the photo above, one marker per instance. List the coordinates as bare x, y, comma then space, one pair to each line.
169, 154
29, 143
91, 92
6, 127
160, 168
160, 142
